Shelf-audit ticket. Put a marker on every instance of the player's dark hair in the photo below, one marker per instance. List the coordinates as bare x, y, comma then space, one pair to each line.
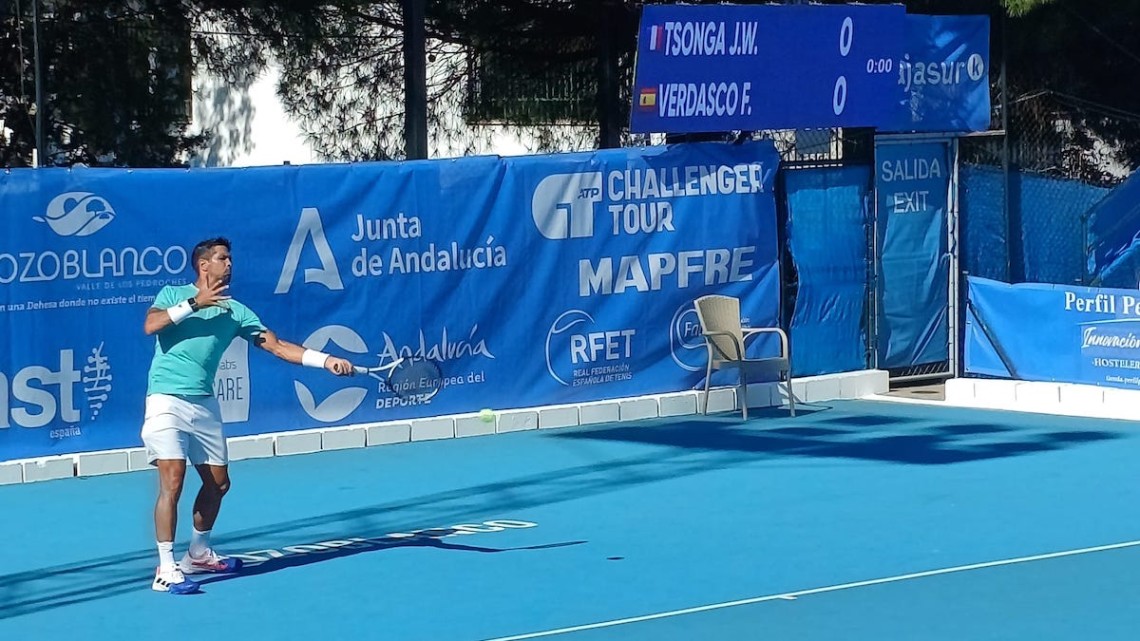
204, 248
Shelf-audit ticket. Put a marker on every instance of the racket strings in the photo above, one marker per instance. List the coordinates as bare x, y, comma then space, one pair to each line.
415, 378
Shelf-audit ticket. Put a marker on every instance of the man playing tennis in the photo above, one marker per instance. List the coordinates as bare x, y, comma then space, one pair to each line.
193, 325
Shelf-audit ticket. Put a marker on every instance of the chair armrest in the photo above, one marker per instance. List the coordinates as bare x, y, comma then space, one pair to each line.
713, 346
751, 331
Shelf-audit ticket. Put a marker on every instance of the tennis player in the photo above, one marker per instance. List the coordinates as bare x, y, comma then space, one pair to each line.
193, 325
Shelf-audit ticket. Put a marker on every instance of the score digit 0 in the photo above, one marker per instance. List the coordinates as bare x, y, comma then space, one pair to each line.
839, 96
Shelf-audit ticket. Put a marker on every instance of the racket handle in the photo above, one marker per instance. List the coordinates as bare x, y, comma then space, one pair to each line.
383, 368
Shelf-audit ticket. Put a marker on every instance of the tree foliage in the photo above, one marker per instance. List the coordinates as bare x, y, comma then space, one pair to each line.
117, 79
1021, 7
1074, 66
342, 67
115, 83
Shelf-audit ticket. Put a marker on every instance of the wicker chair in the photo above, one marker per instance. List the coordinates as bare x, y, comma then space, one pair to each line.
725, 338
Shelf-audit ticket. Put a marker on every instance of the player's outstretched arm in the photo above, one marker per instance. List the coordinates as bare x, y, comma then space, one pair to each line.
298, 355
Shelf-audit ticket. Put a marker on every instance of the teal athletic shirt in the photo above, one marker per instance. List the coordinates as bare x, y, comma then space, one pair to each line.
186, 355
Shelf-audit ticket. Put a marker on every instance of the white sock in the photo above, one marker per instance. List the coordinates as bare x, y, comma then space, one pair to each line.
199, 543
165, 555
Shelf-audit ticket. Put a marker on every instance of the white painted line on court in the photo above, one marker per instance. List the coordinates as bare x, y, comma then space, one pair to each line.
833, 588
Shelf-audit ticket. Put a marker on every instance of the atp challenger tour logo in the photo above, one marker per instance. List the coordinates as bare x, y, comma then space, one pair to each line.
41, 395
563, 205
640, 201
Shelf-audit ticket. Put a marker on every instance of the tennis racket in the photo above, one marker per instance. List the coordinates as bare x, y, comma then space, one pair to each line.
408, 377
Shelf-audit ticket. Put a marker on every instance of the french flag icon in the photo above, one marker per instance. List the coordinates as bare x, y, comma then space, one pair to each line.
656, 37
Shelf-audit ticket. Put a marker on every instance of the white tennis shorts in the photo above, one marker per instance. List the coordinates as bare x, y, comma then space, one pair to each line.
180, 427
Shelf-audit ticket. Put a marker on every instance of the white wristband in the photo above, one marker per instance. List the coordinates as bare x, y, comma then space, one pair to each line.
180, 312
313, 358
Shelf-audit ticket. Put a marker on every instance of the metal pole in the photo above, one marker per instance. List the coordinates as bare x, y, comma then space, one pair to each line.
415, 80
874, 310
609, 129
954, 222
38, 157
1013, 231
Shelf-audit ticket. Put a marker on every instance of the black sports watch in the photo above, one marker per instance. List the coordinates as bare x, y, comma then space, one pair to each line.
193, 300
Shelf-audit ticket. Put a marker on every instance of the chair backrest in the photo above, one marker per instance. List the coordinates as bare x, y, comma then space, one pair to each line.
721, 314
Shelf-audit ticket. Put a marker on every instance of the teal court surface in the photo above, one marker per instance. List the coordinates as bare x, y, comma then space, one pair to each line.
854, 520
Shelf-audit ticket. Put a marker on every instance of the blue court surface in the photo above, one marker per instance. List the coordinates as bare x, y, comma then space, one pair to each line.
855, 520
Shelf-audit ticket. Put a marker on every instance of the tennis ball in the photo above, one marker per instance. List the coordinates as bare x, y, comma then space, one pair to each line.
487, 415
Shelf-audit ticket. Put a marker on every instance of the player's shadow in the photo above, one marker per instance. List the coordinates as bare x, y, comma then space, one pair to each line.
71, 584
424, 539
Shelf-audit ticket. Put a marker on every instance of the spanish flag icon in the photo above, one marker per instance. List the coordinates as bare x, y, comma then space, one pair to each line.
647, 98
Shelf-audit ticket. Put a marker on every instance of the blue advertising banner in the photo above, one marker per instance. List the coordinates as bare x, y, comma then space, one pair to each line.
944, 76
1113, 237
533, 280
912, 183
828, 328
703, 68
1056, 333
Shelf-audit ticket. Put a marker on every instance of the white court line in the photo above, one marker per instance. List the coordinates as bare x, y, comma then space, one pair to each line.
833, 588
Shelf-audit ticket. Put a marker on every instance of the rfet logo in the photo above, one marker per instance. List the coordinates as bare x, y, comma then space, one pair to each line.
578, 352
77, 213
563, 204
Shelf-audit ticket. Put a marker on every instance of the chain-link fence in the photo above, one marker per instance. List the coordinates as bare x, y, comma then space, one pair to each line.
1025, 193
